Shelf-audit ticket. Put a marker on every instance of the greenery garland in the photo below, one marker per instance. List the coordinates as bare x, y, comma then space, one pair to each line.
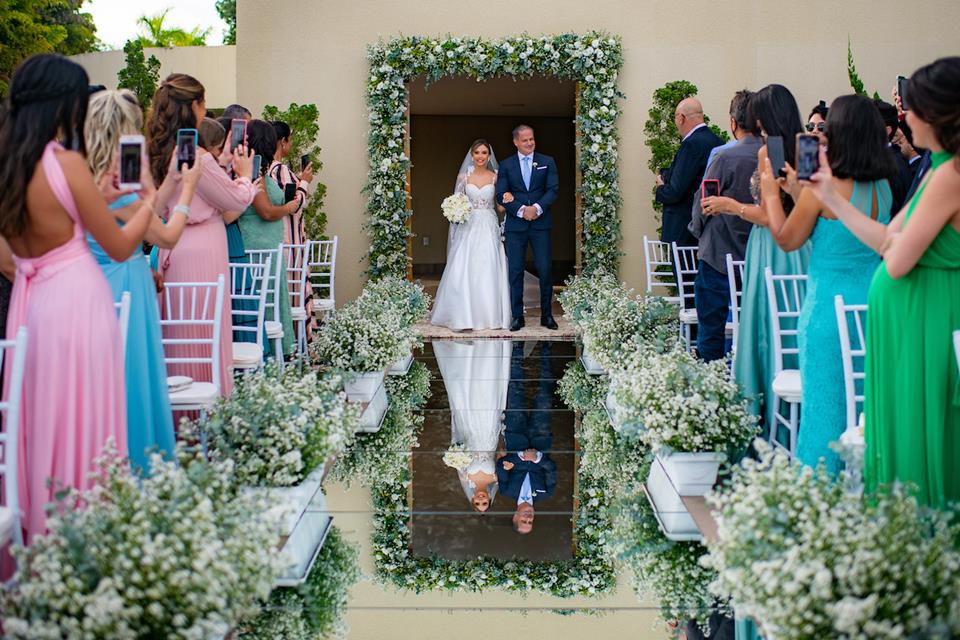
593, 59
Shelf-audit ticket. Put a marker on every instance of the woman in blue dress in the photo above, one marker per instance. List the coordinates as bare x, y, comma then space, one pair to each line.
840, 264
110, 115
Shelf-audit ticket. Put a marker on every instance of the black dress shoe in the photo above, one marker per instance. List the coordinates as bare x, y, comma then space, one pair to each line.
548, 322
517, 324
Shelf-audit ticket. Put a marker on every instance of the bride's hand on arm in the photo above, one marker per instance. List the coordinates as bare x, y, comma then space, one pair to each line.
507, 198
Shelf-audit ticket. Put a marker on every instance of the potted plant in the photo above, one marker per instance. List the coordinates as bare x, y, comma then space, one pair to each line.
411, 303
691, 414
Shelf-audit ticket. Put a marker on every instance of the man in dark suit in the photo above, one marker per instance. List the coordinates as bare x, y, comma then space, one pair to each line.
677, 184
530, 181
527, 473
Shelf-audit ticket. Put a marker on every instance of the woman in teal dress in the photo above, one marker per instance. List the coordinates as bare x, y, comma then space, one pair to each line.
839, 265
149, 419
261, 224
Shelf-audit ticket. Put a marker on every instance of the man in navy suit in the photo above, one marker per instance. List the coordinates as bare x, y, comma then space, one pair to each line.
527, 473
532, 182
677, 184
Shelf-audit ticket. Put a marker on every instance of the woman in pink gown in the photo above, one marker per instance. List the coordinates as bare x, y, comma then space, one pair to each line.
73, 398
201, 254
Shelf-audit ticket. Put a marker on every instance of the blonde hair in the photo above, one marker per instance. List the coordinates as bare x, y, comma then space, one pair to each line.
110, 114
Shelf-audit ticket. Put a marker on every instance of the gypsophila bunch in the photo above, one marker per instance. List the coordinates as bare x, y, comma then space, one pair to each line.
456, 208
177, 554
580, 391
408, 298
363, 336
678, 402
808, 559
317, 608
278, 426
581, 292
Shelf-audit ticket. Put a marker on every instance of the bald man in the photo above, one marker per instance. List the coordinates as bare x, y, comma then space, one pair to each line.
677, 184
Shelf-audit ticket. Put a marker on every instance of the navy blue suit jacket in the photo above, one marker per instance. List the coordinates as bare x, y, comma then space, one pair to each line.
543, 476
544, 184
681, 181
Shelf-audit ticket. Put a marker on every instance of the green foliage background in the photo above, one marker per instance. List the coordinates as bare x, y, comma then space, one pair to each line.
228, 13
140, 75
304, 125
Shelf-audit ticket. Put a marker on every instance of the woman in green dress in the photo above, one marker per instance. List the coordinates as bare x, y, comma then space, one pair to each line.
912, 405
261, 224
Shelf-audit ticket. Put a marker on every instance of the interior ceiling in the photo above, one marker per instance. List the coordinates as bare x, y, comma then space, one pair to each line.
462, 96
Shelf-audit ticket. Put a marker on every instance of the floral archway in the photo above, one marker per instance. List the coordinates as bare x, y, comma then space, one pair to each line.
592, 59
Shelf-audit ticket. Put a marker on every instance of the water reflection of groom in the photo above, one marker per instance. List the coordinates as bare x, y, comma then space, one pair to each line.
527, 473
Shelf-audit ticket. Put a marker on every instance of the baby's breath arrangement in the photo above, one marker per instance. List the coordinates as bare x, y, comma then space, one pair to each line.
177, 554
407, 297
278, 426
807, 558
675, 401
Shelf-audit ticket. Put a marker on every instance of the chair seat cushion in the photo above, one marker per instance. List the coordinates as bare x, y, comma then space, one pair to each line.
202, 393
688, 316
274, 329
7, 523
787, 384
298, 313
245, 353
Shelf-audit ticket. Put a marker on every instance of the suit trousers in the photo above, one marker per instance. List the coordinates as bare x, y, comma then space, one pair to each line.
516, 245
712, 297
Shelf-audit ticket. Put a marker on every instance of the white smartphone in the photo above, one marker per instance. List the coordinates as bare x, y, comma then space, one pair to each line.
131, 160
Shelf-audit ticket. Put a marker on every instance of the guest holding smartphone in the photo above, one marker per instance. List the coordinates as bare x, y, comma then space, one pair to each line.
110, 115
201, 253
911, 407
73, 388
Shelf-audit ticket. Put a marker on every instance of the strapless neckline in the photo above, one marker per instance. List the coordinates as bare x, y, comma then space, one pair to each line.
470, 184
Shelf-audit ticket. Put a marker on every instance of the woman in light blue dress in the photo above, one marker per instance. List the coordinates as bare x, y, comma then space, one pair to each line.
839, 265
149, 419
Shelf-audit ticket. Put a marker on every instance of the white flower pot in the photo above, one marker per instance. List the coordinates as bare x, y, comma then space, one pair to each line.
691, 474
672, 515
592, 366
372, 418
614, 410
401, 366
292, 502
304, 543
363, 387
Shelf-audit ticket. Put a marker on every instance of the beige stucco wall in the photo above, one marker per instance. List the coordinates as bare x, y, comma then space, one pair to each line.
315, 52
215, 67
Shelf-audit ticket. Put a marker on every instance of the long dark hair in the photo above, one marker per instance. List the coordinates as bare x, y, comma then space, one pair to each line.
170, 111
262, 139
933, 93
775, 110
48, 97
857, 140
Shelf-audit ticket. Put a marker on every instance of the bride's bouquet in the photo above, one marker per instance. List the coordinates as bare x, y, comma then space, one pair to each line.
457, 457
456, 208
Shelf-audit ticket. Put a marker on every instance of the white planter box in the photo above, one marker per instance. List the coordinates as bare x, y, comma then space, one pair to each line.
304, 543
672, 515
592, 366
691, 474
614, 411
294, 501
372, 418
401, 366
363, 387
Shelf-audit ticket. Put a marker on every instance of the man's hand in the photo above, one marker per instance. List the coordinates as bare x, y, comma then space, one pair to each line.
508, 465
529, 213
529, 455
659, 180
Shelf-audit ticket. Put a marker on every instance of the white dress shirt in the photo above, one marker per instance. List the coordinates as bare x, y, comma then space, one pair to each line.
532, 168
690, 133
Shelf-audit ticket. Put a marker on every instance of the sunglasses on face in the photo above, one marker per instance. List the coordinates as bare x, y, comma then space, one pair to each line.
818, 126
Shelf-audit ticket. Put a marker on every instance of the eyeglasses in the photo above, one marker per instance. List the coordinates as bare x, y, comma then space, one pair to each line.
816, 126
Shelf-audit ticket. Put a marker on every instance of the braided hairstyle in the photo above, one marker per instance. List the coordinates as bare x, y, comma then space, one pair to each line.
48, 98
933, 94
171, 110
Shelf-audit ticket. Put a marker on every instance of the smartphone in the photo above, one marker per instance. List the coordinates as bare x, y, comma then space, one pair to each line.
131, 158
775, 153
710, 187
257, 160
187, 140
808, 155
304, 161
238, 133
902, 92
289, 192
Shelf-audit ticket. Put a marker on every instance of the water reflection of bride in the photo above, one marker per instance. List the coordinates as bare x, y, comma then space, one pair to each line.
475, 375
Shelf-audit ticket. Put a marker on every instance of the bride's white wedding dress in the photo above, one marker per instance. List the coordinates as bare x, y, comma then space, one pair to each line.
475, 375
474, 292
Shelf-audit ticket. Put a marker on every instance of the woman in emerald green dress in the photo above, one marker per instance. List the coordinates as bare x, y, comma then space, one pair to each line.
261, 224
912, 405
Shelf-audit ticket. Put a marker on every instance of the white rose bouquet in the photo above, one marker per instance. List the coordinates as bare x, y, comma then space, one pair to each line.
456, 208
457, 457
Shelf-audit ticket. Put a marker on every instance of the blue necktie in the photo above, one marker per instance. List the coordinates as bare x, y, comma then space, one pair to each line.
526, 172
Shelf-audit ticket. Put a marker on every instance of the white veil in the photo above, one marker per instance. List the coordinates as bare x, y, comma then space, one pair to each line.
466, 168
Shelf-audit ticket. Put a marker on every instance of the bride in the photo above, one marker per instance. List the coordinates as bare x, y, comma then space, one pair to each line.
474, 292
475, 376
